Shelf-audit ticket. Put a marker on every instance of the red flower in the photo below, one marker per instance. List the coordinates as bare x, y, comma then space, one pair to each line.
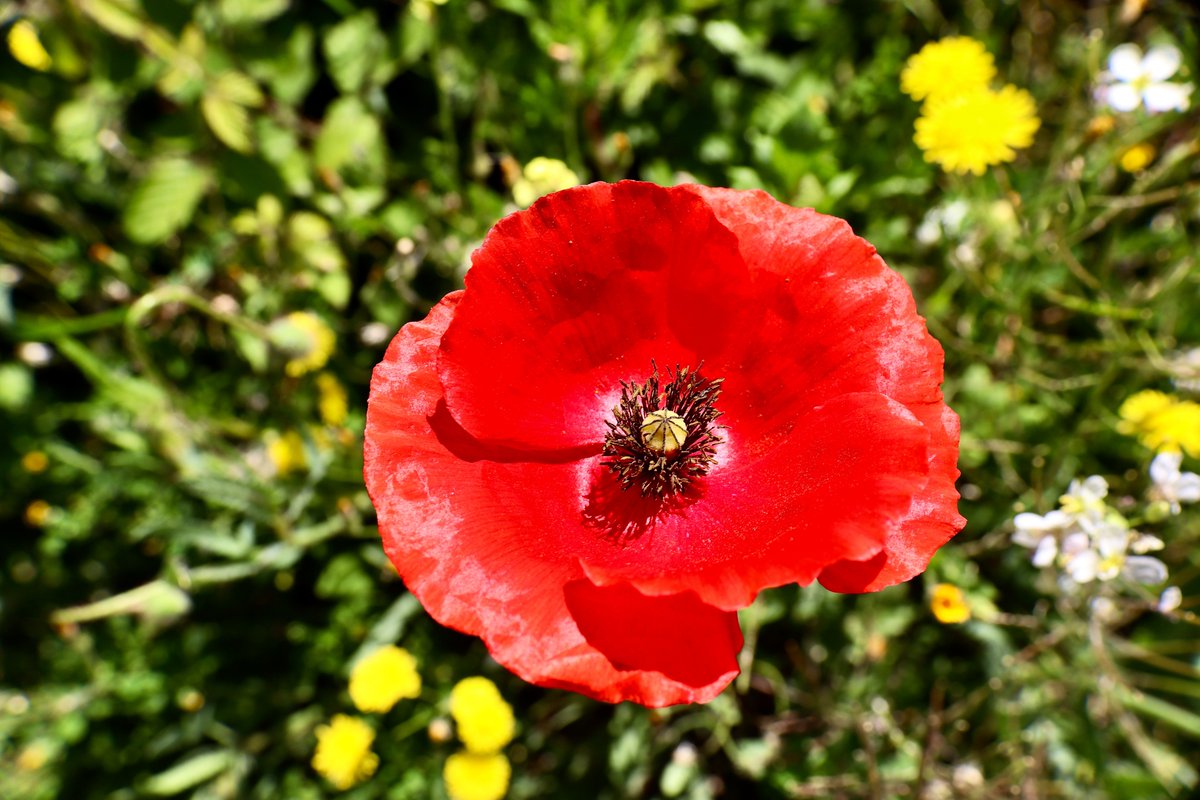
648, 405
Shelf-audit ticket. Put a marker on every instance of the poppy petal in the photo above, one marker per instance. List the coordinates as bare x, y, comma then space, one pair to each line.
463, 549
830, 491
932, 520
582, 291
854, 328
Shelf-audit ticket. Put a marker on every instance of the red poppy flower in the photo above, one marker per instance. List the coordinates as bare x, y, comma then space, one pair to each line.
648, 405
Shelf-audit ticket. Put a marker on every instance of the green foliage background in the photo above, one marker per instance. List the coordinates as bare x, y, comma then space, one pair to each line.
187, 172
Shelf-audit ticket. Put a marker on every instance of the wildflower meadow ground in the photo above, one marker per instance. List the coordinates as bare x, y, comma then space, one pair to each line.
470, 399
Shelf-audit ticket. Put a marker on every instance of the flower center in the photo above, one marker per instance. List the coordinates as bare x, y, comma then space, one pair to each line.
662, 435
664, 432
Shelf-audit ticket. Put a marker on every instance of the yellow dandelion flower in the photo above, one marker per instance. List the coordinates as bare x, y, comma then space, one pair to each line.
38, 513
1140, 408
971, 131
35, 461
947, 67
343, 755
26, 47
1161, 423
485, 722
1177, 428
305, 339
383, 678
331, 400
286, 451
949, 605
542, 176
475, 776
1138, 157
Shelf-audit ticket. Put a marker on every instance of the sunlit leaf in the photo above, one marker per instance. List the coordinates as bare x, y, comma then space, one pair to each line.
164, 200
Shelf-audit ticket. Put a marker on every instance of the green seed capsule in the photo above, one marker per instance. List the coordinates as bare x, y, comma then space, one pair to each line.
664, 432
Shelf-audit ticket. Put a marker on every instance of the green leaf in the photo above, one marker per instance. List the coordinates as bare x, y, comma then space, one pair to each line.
1151, 706
354, 48
164, 200
76, 126
229, 121
335, 288
225, 107
288, 68
192, 772
252, 348
238, 88
249, 12
351, 135
119, 17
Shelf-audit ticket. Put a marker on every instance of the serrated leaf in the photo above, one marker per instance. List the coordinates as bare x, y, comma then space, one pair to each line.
414, 38
291, 68
164, 200
225, 109
238, 88
350, 135
353, 48
229, 121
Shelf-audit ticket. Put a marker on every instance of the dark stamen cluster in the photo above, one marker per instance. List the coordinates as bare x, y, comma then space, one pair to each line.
688, 394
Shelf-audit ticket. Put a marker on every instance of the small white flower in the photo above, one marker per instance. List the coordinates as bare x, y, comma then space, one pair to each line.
1145, 543
1170, 599
1171, 484
1047, 550
1144, 569
1135, 79
1075, 544
1085, 497
1185, 367
1083, 567
1031, 528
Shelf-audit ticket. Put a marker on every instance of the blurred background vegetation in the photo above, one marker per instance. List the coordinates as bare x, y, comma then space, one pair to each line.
214, 215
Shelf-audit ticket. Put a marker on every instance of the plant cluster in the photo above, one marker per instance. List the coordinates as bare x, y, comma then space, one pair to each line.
215, 215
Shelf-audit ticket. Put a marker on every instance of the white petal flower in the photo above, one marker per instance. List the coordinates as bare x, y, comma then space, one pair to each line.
1111, 541
1161, 62
1125, 62
1160, 97
1122, 97
1170, 599
1075, 544
1145, 543
1082, 568
1045, 553
1144, 569
1094, 489
1171, 483
1135, 79
1041, 523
